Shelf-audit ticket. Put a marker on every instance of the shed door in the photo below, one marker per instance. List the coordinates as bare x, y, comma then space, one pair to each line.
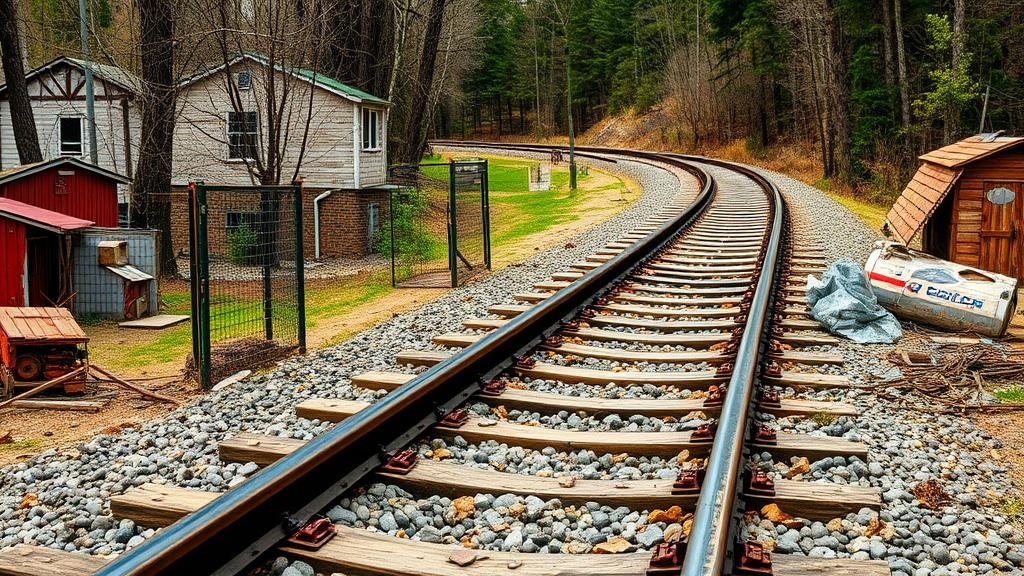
1001, 228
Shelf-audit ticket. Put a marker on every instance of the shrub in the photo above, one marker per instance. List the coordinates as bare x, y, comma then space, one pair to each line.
243, 246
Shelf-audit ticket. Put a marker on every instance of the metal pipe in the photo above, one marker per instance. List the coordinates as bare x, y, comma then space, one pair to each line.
316, 220
90, 100
226, 535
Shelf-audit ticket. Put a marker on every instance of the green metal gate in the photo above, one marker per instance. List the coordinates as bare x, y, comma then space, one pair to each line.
438, 228
246, 274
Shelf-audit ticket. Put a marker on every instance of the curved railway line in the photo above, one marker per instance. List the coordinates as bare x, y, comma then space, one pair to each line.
701, 307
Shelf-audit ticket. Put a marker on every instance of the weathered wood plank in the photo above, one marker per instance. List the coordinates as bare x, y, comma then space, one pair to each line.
808, 380
661, 325
692, 339
812, 447
25, 560
158, 505
538, 437
381, 380
259, 448
568, 374
421, 357
359, 551
328, 409
676, 301
658, 312
807, 357
820, 500
621, 355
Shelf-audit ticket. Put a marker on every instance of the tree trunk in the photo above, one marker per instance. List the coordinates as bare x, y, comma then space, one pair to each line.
153, 172
887, 43
23, 122
838, 91
415, 142
901, 71
952, 123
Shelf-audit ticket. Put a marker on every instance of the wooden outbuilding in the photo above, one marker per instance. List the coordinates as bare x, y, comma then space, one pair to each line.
967, 202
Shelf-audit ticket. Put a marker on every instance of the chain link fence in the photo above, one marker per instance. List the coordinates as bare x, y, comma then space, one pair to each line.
438, 231
246, 274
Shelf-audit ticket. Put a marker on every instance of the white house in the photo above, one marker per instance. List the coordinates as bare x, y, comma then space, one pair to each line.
228, 115
223, 129
57, 93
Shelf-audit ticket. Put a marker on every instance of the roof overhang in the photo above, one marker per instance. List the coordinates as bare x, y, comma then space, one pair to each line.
24, 170
40, 217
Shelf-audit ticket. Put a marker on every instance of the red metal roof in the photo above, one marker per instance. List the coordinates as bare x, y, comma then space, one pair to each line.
40, 217
34, 323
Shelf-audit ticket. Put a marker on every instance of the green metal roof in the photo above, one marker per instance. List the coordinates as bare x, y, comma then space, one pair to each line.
322, 80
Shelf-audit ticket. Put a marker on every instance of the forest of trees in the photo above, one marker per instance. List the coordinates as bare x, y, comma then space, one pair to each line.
866, 84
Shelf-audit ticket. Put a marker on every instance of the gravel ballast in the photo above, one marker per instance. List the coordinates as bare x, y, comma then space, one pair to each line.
60, 498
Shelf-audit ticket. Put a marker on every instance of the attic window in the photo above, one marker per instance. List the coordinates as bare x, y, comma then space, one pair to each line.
70, 136
244, 80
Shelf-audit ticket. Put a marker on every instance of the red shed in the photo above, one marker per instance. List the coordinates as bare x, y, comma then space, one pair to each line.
65, 185
35, 254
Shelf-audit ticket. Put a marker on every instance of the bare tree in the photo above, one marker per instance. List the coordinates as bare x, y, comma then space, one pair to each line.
416, 141
153, 173
901, 72
22, 120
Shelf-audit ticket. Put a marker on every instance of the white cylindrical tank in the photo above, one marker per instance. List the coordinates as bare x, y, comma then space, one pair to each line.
920, 287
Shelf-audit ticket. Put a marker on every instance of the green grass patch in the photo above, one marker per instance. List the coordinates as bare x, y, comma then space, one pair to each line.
1013, 394
23, 444
823, 418
872, 214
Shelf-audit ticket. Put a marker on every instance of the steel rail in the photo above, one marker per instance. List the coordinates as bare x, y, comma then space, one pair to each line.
709, 546
227, 535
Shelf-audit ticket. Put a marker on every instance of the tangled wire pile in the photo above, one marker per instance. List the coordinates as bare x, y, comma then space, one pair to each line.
950, 375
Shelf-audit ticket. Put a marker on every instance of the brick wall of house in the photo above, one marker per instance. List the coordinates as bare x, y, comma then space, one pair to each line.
344, 220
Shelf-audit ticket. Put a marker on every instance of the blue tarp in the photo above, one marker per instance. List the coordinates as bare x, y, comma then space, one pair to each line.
843, 301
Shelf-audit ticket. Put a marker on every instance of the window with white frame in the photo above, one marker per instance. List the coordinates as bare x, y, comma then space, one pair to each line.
71, 136
241, 135
371, 129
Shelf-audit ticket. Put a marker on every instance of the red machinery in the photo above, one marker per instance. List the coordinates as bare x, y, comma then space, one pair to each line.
40, 344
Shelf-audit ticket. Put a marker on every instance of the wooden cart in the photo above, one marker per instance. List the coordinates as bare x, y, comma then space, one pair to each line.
40, 344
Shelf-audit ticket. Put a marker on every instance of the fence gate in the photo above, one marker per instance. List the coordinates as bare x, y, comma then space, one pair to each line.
246, 274
438, 225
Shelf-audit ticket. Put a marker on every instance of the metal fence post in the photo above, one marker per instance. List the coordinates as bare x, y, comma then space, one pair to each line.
453, 245
203, 285
391, 218
485, 200
193, 269
300, 272
266, 246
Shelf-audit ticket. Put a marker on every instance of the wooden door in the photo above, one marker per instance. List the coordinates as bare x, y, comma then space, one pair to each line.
1001, 229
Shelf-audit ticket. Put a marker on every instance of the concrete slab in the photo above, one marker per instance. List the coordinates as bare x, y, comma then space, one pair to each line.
157, 322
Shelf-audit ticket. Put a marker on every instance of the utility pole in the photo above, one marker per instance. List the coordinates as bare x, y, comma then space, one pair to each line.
572, 135
90, 98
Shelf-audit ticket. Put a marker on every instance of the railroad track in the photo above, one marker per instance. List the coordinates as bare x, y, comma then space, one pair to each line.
662, 357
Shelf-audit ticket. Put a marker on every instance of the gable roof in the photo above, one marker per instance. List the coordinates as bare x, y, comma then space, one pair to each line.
315, 78
24, 170
933, 181
115, 75
968, 150
41, 217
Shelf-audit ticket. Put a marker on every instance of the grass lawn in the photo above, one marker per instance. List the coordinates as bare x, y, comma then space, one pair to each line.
519, 220
872, 214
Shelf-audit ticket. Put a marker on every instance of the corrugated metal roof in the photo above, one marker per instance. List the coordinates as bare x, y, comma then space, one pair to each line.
129, 273
40, 217
968, 150
18, 172
35, 323
315, 78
